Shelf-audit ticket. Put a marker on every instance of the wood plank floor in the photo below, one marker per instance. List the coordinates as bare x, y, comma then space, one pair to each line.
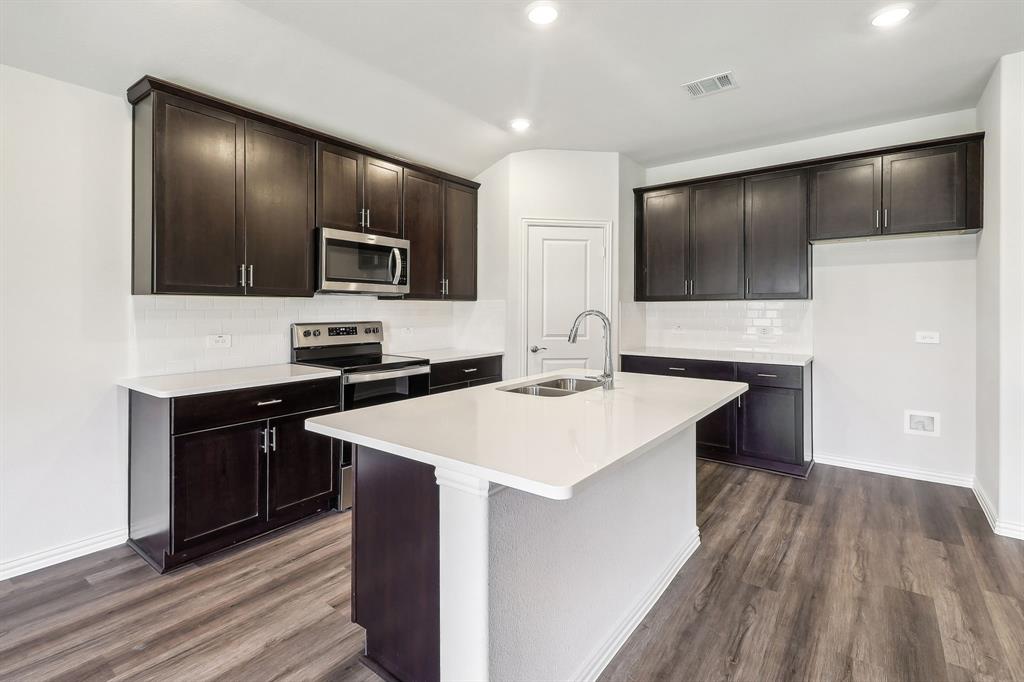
845, 576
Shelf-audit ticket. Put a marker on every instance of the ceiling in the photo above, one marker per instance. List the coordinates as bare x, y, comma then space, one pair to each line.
437, 81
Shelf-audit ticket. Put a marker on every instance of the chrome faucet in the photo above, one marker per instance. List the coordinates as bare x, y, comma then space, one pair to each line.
608, 377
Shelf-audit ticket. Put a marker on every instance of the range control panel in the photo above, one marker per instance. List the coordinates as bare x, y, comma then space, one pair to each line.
336, 333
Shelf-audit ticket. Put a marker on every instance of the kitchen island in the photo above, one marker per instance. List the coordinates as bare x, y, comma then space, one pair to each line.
499, 535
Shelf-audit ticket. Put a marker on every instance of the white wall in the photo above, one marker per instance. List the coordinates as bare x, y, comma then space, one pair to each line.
858, 290
1000, 297
66, 232
631, 322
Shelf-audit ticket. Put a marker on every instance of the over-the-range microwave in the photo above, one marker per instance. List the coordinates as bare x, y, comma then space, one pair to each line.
357, 263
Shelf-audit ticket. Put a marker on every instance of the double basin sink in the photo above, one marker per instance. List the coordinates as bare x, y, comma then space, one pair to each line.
554, 388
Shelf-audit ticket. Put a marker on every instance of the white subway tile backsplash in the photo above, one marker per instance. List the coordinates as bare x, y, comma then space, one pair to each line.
730, 324
171, 331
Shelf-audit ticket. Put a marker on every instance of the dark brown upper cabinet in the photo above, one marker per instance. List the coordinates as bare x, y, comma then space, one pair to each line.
382, 197
279, 211
339, 196
222, 204
189, 230
716, 240
846, 199
460, 232
775, 221
423, 213
663, 245
925, 190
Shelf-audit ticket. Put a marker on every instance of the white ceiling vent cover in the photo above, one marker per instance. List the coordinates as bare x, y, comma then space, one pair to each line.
711, 84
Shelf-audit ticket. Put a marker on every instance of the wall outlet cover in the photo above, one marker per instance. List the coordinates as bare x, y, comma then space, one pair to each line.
926, 337
922, 423
218, 341
764, 331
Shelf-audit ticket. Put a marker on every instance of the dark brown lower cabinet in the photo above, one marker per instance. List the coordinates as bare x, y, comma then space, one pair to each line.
248, 466
768, 427
451, 376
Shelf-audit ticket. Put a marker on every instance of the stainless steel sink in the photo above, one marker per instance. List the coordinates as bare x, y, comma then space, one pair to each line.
554, 388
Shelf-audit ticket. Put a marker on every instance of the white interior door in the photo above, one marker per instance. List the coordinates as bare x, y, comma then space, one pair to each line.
566, 274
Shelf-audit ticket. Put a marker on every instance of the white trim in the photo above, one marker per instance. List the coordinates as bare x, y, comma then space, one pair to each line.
961, 480
55, 555
1010, 530
604, 654
524, 276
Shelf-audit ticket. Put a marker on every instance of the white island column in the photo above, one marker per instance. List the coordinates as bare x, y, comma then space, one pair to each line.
465, 551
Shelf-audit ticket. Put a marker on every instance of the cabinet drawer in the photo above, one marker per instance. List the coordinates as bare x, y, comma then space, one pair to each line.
209, 410
781, 376
679, 367
445, 373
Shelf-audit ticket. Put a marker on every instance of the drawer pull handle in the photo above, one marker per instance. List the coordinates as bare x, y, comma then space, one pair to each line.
768, 376
471, 370
264, 403
678, 369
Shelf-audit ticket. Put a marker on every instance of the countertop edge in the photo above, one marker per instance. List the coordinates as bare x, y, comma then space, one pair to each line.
795, 359
451, 354
138, 384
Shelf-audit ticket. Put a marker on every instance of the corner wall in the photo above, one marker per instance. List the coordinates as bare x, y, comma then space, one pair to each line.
1000, 293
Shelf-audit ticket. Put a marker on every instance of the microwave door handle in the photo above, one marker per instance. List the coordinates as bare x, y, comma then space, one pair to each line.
398, 264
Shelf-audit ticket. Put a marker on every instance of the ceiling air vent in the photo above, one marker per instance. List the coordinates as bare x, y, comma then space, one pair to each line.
711, 84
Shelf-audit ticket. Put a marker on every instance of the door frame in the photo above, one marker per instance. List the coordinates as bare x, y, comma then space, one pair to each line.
524, 279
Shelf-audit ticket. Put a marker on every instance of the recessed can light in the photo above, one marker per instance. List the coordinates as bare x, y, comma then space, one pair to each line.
541, 12
891, 16
520, 125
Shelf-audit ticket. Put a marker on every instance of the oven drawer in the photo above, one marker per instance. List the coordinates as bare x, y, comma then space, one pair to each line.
445, 373
209, 410
779, 376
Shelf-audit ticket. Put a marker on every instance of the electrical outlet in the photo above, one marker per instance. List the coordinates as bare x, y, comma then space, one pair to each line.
764, 331
218, 341
922, 423
926, 337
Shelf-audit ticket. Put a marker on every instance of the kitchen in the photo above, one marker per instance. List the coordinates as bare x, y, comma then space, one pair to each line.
207, 222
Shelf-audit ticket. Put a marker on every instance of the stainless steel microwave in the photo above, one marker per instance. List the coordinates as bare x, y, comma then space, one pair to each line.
357, 263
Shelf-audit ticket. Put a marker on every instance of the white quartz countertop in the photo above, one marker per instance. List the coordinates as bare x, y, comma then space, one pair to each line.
451, 354
194, 383
547, 446
723, 355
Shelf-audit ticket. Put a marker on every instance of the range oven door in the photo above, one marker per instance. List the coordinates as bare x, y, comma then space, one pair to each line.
363, 389
356, 263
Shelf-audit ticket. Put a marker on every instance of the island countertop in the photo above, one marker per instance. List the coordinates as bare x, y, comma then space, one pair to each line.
547, 446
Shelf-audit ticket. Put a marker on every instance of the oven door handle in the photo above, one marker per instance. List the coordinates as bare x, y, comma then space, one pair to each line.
364, 377
396, 256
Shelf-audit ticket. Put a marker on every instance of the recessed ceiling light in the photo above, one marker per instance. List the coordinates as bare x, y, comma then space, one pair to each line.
891, 16
519, 125
541, 12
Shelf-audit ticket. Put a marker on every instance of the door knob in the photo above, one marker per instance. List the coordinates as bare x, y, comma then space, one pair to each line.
537, 349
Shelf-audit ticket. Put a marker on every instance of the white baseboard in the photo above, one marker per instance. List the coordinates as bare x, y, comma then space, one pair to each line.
1010, 530
960, 480
604, 654
55, 555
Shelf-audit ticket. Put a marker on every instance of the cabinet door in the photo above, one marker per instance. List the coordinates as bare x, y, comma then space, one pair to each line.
280, 185
716, 229
663, 245
302, 468
199, 243
846, 199
776, 235
422, 215
460, 241
218, 478
339, 196
924, 190
771, 424
717, 431
382, 197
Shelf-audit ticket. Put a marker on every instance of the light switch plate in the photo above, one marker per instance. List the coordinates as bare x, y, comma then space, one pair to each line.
926, 337
218, 341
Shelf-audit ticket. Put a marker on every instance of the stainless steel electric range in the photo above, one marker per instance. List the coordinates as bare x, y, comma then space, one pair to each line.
368, 375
